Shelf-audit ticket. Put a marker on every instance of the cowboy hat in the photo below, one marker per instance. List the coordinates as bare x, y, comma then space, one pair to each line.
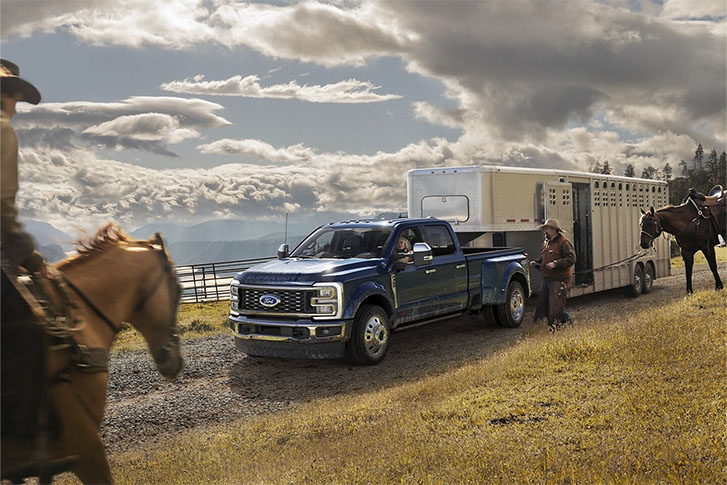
552, 223
11, 82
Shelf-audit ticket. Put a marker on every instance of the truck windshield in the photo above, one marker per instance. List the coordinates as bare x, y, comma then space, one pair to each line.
343, 243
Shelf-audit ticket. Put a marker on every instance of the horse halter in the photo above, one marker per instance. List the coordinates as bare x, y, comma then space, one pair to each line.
657, 233
166, 271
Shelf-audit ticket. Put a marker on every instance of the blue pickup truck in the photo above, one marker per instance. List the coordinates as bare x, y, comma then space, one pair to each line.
349, 285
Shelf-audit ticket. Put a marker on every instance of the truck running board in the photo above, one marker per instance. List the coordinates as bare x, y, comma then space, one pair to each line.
407, 326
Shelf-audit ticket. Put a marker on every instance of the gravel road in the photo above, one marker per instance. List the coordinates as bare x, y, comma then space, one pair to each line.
221, 384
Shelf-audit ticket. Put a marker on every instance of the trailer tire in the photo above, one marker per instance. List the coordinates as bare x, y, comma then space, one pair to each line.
648, 278
638, 284
370, 336
512, 311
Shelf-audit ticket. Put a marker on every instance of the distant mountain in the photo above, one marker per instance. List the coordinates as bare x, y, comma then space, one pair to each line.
196, 252
45, 234
52, 252
219, 230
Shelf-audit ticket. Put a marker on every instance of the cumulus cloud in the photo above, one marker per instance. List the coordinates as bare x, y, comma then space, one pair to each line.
349, 91
309, 31
75, 185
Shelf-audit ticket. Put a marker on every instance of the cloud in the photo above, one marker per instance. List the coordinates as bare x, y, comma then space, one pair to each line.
142, 123
308, 31
694, 9
258, 149
147, 126
349, 91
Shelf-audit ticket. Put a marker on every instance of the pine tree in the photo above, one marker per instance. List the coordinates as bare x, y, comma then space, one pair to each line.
596, 167
698, 157
606, 168
684, 167
629, 171
648, 172
712, 167
722, 170
667, 172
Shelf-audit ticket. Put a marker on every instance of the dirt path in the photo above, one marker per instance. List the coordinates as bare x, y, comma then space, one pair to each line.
220, 384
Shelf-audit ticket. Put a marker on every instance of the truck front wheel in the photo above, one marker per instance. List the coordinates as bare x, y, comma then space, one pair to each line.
369, 336
511, 313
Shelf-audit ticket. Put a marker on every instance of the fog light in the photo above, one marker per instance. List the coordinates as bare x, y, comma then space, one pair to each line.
325, 309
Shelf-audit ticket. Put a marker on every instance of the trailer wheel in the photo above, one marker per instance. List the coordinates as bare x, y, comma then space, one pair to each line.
369, 336
648, 278
511, 313
636, 287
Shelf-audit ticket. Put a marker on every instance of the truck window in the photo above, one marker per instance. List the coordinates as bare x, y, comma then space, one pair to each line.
342, 243
439, 240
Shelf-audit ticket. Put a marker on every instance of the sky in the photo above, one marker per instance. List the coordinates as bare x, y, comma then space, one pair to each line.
185, 111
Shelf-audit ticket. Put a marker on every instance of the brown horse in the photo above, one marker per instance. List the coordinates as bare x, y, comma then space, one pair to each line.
693, 231
113, 279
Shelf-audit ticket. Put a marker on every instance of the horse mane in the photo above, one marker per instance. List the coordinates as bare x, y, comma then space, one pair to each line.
107, 236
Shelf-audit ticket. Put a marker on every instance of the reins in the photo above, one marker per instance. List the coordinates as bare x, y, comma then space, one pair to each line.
615, 263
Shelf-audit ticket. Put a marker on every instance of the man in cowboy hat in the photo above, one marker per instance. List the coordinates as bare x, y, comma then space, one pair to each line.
555, 263
21, 338
16, 245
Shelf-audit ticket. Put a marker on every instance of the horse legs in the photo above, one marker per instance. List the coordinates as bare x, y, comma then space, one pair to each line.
688, 257
711, 256
79, 416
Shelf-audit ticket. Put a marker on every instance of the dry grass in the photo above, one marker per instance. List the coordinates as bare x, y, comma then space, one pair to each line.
627, 400
194, 320
699, 259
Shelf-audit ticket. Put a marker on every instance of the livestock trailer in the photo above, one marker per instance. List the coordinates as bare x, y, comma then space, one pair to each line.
503, 206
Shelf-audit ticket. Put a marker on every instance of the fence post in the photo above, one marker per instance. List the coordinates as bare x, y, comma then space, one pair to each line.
217, 289
204, 282
194, 282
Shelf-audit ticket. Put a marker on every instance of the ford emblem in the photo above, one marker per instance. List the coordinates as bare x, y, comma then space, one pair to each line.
269, 300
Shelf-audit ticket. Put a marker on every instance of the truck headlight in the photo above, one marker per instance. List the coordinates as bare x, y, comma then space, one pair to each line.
234, 294
328, 300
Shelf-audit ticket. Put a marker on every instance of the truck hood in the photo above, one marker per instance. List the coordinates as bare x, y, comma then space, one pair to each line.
305, 271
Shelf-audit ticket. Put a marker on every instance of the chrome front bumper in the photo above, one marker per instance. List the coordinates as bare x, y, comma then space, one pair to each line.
302, 331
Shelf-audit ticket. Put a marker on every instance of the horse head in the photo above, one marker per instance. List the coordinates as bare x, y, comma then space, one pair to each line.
155, 313
650, 228
126, 280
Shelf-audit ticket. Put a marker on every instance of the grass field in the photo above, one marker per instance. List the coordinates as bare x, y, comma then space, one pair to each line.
699, 258
635, 400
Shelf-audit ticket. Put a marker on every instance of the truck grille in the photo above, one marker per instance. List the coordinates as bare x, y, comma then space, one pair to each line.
291, 301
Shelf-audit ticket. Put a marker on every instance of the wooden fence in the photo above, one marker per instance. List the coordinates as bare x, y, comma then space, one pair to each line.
211, 281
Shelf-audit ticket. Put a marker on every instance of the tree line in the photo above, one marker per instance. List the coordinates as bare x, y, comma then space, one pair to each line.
702, 173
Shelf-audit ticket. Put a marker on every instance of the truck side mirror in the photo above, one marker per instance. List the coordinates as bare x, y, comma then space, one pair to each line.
422, 254
283, 251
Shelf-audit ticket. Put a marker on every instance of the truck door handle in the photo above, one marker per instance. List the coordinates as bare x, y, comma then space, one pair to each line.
460, 266
430, 271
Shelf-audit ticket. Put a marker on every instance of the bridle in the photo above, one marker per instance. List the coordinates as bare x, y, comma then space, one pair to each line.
174, 287
658, 231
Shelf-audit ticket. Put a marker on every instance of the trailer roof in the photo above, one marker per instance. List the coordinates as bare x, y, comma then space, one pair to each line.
541, 171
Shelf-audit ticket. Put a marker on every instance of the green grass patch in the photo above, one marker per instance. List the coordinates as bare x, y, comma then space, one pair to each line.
634, 399
195, 320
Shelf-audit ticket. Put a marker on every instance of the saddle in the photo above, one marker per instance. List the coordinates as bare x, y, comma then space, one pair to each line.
28, 330
706, 205
716, 197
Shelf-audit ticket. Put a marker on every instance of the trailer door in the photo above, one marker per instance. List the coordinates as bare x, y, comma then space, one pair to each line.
558, 204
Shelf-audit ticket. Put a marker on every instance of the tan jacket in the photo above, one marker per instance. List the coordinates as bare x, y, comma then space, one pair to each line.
17, 245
